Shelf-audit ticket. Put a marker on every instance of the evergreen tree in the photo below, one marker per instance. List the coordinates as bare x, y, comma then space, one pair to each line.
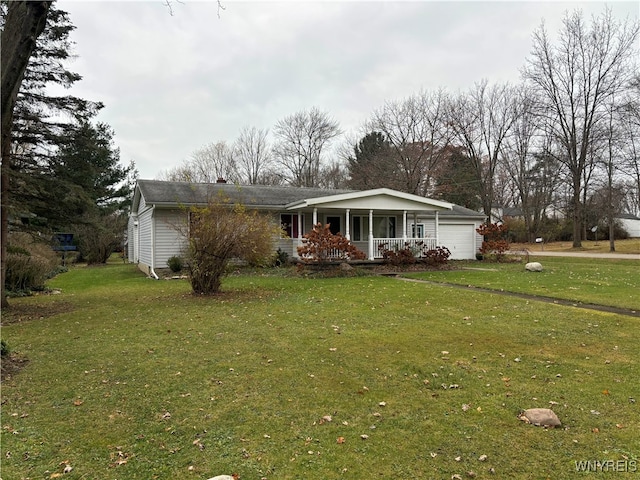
372, 164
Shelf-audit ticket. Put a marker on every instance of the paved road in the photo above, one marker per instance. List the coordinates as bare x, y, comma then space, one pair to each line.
624, 256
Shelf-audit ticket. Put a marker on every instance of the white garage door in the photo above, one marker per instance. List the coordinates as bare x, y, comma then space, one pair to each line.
459, 240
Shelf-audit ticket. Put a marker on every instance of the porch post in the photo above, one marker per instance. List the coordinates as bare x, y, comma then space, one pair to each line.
300, 226
404, 225
347, 233
415, 225
370, 234
315, 215
437, 229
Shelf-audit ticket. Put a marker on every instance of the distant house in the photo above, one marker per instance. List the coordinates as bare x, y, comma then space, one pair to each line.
630, 223
368, 218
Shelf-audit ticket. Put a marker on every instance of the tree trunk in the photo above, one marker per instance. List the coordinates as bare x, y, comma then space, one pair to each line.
24, 22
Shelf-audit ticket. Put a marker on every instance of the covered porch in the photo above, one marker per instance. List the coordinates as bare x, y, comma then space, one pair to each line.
373, 220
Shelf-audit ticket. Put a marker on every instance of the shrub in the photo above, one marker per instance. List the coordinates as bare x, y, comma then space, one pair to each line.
175, 263
30, 262
495, 239
4, 348
281, 258
437, 256
221, 232
402, 256
322, 246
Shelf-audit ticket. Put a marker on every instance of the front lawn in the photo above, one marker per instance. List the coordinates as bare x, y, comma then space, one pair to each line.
298, 378
600, 281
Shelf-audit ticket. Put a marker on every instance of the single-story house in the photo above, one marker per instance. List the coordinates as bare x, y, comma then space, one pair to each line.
630, 223
368, 218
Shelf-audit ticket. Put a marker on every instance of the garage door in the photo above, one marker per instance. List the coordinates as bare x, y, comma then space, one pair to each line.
459, 239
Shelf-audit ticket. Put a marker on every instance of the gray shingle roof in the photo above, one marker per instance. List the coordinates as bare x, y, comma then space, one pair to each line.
161, 192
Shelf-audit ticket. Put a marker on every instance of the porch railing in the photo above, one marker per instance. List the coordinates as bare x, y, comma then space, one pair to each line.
415, 244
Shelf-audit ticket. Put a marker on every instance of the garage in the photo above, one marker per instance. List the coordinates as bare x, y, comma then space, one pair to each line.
459, 239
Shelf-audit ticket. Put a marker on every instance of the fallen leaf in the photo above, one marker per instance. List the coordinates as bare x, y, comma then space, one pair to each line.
382, 404
340, 440
605, 392
595, 430
482, 458
78, 402
364, 436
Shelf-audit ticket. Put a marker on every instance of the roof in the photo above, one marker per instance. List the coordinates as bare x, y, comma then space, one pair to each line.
169, 194
381, 198
158, 192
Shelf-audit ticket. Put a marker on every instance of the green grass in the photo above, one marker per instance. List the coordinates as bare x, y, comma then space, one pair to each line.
138, 379
604, 282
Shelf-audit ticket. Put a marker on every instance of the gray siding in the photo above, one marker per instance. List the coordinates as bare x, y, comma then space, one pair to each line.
145, 223
169, 239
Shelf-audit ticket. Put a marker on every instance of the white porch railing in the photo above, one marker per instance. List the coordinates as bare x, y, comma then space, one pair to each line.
416, 244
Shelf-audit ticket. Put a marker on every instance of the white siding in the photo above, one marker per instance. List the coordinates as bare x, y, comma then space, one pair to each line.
145, 229
459, 239
169, 241
631, 226
131, 240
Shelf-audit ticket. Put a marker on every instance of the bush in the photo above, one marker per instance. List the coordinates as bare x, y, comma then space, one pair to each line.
403, 256
221, 232
322, 246
30, 262
4, 348
437, 256
495, 239
281, 258
175, 263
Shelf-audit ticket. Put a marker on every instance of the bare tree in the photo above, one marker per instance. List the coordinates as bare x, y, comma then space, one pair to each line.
208, 164
416, 130
24, 22
480, 120
252, 155
574, 79
533, 172
301, 140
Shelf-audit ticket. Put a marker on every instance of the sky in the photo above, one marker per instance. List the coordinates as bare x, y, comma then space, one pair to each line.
176, 79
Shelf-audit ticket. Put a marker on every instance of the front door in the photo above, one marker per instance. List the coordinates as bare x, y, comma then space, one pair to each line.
334, 224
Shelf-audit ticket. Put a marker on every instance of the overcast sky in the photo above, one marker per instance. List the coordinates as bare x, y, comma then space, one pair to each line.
173, 83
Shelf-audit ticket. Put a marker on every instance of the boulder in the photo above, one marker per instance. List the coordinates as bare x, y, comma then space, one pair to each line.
533, 267
345, 267
541, 417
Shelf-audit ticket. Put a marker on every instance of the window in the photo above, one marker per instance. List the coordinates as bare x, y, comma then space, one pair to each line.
289, 224
383, 227
417, 230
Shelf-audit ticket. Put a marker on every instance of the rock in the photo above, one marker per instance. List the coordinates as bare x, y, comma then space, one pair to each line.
541, 417
533, 267
345, 267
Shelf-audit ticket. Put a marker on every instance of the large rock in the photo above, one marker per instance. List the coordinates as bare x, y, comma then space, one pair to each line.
541, 417
533, 267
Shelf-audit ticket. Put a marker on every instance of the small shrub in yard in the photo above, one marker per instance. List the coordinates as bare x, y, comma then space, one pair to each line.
29, 264
437, 256
281, 258
495, 241
175, 263
4, 348
403, 256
